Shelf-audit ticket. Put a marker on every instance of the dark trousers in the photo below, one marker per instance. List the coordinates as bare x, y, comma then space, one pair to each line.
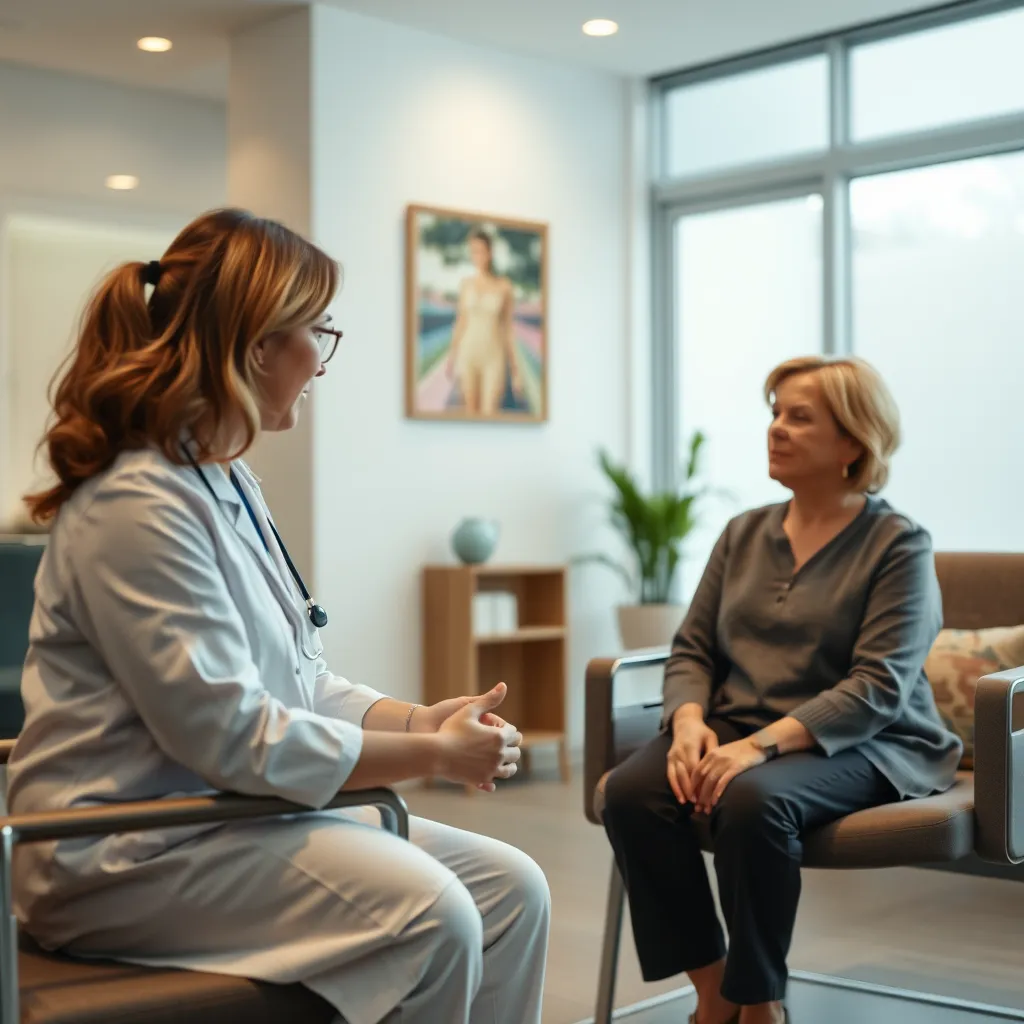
756, 830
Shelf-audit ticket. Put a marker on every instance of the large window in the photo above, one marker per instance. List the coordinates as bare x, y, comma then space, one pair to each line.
861, 193
938, 261
749, 279
967, 71
747, 118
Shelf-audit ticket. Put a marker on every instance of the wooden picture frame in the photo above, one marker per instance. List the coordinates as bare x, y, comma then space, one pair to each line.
476, 346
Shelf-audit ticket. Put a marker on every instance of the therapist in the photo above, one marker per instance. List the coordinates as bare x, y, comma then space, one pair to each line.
174, 648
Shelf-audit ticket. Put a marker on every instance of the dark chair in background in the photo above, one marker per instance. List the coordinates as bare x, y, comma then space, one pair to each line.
19, 560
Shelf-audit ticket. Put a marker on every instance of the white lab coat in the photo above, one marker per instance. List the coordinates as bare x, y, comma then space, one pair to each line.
170, 654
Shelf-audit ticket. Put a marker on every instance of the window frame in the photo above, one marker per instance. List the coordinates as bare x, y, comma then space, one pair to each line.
829, 173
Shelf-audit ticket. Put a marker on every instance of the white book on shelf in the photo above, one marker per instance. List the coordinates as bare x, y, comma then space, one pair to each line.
505, 611
495, 612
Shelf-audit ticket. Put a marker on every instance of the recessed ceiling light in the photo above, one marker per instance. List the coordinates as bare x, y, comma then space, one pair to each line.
600, 27
154, 44
122, 182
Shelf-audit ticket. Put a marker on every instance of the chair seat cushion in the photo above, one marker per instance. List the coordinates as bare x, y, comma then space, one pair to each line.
929, 830
59, 990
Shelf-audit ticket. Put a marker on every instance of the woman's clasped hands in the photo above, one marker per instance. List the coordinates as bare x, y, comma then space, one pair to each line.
699, 767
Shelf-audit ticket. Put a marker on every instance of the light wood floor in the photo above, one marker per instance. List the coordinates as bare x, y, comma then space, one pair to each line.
925, 930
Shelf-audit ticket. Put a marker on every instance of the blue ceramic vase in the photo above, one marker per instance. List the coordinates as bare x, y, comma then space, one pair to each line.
474, 540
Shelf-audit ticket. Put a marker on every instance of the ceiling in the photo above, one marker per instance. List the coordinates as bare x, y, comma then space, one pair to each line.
654, 36
97, 37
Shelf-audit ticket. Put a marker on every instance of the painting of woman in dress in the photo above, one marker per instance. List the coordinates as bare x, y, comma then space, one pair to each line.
476, 317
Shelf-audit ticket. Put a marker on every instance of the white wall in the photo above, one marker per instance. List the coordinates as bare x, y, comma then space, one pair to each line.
60, 136
402, 116
270, 172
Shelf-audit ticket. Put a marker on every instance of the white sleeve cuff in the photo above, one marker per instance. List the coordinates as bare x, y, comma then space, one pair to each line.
335, 697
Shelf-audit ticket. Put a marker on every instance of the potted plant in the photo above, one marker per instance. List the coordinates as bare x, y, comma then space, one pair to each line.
655, 527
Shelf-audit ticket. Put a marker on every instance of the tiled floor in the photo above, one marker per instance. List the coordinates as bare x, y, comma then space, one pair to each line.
811, 1003
924, 930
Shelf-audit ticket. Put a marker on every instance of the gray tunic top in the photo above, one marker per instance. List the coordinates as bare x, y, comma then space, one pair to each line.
839, 645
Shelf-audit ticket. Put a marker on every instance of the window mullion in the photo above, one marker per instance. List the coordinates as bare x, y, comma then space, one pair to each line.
836, 272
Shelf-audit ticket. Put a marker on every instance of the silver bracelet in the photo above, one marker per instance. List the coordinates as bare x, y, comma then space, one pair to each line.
408, 717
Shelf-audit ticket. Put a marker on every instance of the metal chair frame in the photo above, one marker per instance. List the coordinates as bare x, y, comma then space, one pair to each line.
140, 816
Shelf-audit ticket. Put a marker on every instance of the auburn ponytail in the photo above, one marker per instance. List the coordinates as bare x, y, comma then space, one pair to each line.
146, 371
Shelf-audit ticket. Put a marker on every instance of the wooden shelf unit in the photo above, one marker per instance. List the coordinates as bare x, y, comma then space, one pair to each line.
532, 660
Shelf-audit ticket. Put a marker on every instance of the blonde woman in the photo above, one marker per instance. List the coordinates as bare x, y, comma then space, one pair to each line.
794, 695
175, 649
482, 356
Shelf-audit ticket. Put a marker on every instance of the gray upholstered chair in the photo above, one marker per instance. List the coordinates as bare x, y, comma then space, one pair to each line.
37, 987
976, 827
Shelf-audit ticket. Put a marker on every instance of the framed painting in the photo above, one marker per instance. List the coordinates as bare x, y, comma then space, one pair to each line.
476, 317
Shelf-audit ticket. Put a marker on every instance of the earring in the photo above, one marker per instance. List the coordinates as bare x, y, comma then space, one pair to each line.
846, 472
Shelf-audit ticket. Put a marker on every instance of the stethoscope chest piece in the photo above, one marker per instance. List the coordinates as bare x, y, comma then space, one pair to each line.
317, 615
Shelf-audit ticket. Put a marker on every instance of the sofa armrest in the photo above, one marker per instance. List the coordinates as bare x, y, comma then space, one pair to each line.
612, 733
999, 767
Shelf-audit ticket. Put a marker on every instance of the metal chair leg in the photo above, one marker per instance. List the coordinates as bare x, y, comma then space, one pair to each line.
610, 948
9, 991
394, 815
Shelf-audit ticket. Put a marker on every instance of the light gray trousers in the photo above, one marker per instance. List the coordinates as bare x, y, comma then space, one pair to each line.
479, 950
448, 927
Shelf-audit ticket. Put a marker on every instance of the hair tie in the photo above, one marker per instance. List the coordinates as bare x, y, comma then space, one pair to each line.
151, 273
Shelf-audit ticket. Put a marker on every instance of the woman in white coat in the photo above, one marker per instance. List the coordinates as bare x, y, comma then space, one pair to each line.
174, 650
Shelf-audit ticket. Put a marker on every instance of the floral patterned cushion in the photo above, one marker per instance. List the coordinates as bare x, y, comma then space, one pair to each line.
957, 660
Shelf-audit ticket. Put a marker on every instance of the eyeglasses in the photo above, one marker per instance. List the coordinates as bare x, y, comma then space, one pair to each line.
327, 339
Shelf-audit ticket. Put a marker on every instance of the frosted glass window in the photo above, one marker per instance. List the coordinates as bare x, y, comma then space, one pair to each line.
759, 115
961, 72
937, 264
748, 296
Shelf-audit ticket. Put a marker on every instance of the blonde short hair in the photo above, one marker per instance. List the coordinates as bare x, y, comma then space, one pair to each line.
861, 405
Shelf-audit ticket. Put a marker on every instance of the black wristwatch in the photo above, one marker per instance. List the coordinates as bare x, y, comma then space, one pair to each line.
770, 750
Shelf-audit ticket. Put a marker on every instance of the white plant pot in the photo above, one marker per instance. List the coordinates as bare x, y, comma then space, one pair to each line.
649, 625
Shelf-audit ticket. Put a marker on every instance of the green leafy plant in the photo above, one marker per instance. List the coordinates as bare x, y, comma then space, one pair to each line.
654, 526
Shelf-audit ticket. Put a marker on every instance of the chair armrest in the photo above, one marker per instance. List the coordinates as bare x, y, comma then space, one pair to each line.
999, 767
142, 815
605, 725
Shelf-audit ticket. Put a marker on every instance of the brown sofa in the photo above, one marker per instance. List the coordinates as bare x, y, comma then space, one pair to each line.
37, 987
976, 827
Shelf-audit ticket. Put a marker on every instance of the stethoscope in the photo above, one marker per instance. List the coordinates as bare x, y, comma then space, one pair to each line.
316, 613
